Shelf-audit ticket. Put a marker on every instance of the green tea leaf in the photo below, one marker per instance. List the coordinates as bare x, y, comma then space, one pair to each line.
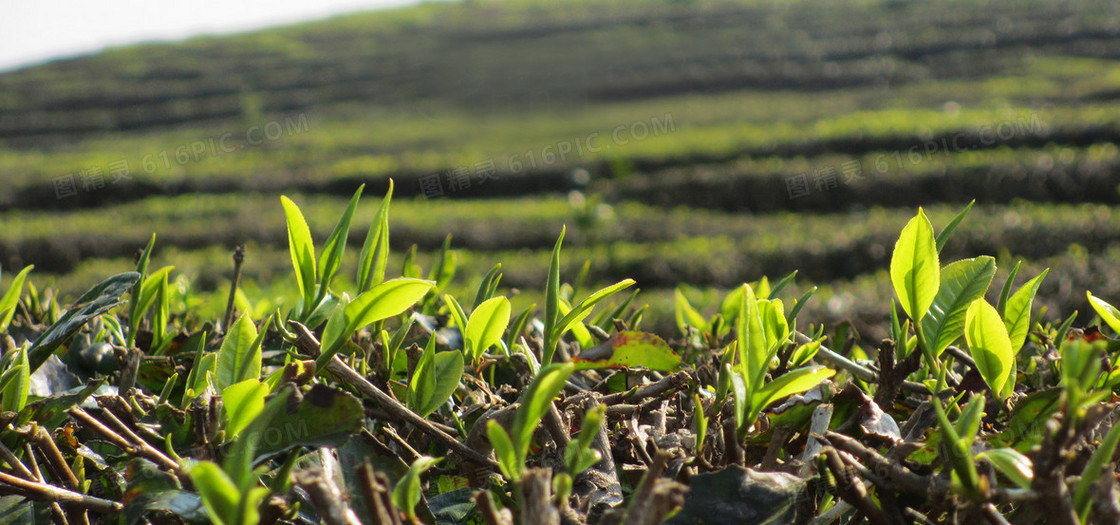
631, 349
915, 270
444, 269
1108, 313
336, 244
488, 285
15, 383
96, 301
503, 449
486, 325
1017, 314
754, 357
1005, 292
552, 302
1012, 463
11, 297
535, 402
148, 290
435, 379
686, 315
775, 328
777, 289
219, 493
989, 344
335, 333
407, 492
943, 236
375, 250
325, 417
962, 282
243, 402
239, 357
792, 382
580, 311
302, 250
1093, 470
805, 352
386, 300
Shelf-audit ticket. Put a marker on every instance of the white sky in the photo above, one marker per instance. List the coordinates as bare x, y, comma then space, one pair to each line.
33, 31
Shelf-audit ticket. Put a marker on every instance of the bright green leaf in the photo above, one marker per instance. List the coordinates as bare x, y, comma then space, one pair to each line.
219, 493
407, 492
435, 379
1012, 463
535, 402
792, 382
631, 349
375, 250
1108, 313
302, 250
962, 282
336, 244
915, 270
686, 315
989, 343
580, 311
11, 297
486, 325
504, 450
1017, 313
238, 357
243, 402
15, 383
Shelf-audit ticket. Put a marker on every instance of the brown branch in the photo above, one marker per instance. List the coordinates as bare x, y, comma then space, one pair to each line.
903, 479
135, 445
43, 492
489, 511
536, 498
10, 458
668, 384
374, 487
38, 436
37, 476
341, 371
852, 490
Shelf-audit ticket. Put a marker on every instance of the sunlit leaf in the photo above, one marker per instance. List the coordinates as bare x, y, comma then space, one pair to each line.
989, 343
11, 297
407, 492
1017, 313
1012, 463
302, 251
238, 357
219, 493
336, 244
486, 325
243, 402
915, 270
375, 250
962, 282
631, 349
1108, 313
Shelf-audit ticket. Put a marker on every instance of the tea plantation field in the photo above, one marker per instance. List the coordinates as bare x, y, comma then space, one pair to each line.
684, 144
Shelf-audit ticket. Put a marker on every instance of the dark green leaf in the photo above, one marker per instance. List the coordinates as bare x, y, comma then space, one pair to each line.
96, 301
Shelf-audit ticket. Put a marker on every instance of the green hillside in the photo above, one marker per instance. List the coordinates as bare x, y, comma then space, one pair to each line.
674, 138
